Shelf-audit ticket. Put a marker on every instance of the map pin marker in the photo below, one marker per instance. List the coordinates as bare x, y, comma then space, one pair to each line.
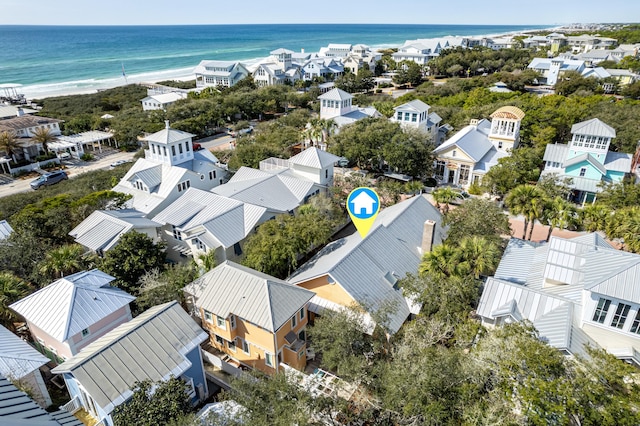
363, 205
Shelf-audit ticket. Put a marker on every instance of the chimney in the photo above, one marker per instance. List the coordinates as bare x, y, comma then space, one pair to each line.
474, 122
19, 112
428, 235
166, 124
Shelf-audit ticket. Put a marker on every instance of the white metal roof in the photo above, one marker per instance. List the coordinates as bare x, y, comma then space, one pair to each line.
336, 94
414, 105
593, 127
361, 267
153, 346
5, 229
17, 357
165, 98
314, 157
473, 140
168, 136
69, 305
253, 296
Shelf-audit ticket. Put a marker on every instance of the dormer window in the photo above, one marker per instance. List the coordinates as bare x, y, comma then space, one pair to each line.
183, 186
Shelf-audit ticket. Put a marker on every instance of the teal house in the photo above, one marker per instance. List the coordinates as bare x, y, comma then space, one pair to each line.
586, 159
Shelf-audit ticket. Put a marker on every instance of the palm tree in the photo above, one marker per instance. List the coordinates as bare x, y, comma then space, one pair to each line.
595, 216
477, 256
12, 289
63, 261
445, 195
528, 201
559, 213
329, 127
625, 225
9, 143
43, 136
439, 262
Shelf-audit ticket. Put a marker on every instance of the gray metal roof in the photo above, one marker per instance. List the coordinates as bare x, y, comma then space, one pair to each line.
276, 192
618, 161
151, 346
593, 127
336, 94
361, 267
17, 357
17, 409
69, 305
314, 157
556, 152
168, 136
5, 229
226, 220
253, 296
473, 140
102, 228
588, 158
415, 105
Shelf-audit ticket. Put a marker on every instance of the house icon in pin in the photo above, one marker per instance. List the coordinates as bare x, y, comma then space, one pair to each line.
363, 204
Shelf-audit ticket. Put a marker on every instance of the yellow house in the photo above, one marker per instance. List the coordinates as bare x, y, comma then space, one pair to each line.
465, 157
255, 319
365, 272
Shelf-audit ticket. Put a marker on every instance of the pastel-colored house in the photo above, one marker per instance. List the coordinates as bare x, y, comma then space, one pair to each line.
19, 361
200, 221
102, 229
468, 155
160, 343
575, 291
365, 272
17, 408
70, 313
586, 159
254, 319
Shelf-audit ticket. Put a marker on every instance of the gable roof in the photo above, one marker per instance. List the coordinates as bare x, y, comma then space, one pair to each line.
589, 159
275, 191
102, 229
472, 140
17, 408
69, 305
414, 105
17, 357
336, 94
226, 221
151, 346
314, 157
164, 98
363, 267
168, 135
593, 127
256, 297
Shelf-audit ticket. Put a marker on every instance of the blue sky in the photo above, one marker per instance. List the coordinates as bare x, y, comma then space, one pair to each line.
166, 12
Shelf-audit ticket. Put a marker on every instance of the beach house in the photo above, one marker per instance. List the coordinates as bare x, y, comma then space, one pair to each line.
253, 319
337, 105
169, 168
71, 312
278, 68
575, 291
586, 160
161, 101
219, 73
365, 271
24, 127
160, 343
415, 115
468, 155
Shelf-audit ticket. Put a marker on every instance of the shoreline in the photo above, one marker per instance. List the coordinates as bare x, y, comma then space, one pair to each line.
91, 86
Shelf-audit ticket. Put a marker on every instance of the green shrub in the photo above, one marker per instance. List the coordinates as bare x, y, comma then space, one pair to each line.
475, 189
87, 157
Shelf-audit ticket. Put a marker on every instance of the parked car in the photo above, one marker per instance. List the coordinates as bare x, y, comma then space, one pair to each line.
117, 163
197, 146
49, 178
342, 162
64, 156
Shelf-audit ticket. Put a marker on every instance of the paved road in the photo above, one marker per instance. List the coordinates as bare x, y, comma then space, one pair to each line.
74, 168
217, 142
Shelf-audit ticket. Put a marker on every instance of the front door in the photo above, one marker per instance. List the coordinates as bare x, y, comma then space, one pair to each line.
452, 175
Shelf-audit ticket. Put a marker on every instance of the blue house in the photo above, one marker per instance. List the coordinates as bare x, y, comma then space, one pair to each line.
586, 160
160, 343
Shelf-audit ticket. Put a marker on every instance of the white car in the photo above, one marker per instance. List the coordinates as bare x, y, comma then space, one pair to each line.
117, 163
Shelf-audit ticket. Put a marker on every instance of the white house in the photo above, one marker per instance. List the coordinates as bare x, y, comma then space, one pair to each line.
418, 51
337, 105
279, 68
467, 156
550, 69
327, 68
219, 73
586, 42
575, 291
415, 114
162, 101
169, 168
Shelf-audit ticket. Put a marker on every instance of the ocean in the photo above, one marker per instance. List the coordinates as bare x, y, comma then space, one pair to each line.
56, 60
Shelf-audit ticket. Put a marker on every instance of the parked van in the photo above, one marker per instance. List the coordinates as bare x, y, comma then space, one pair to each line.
50, 178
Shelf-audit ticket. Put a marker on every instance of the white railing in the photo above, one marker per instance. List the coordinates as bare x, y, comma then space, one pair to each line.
72, 406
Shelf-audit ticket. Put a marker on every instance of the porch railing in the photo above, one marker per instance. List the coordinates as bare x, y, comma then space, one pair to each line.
72, 406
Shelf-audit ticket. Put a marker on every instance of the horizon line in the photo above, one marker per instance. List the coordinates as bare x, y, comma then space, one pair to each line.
292, 24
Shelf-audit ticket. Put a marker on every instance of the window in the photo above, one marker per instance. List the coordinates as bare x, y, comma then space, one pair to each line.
620, 316
232, 320
220, 322
245, 347
164, 151
173, 150
237, 250
464, 174
294, 321
180, 148
635, 327
414, 117
231, 344
583, 171
407, 116
399, 116
85, 332
302, 335
268, 359
326, 174
499, 144
212, 175
301, 314
199, 244
454, 153
176, 233
300, 354
186, 146
440, 166
208, 316
153, 148
601, 310
183, 186
219, 340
